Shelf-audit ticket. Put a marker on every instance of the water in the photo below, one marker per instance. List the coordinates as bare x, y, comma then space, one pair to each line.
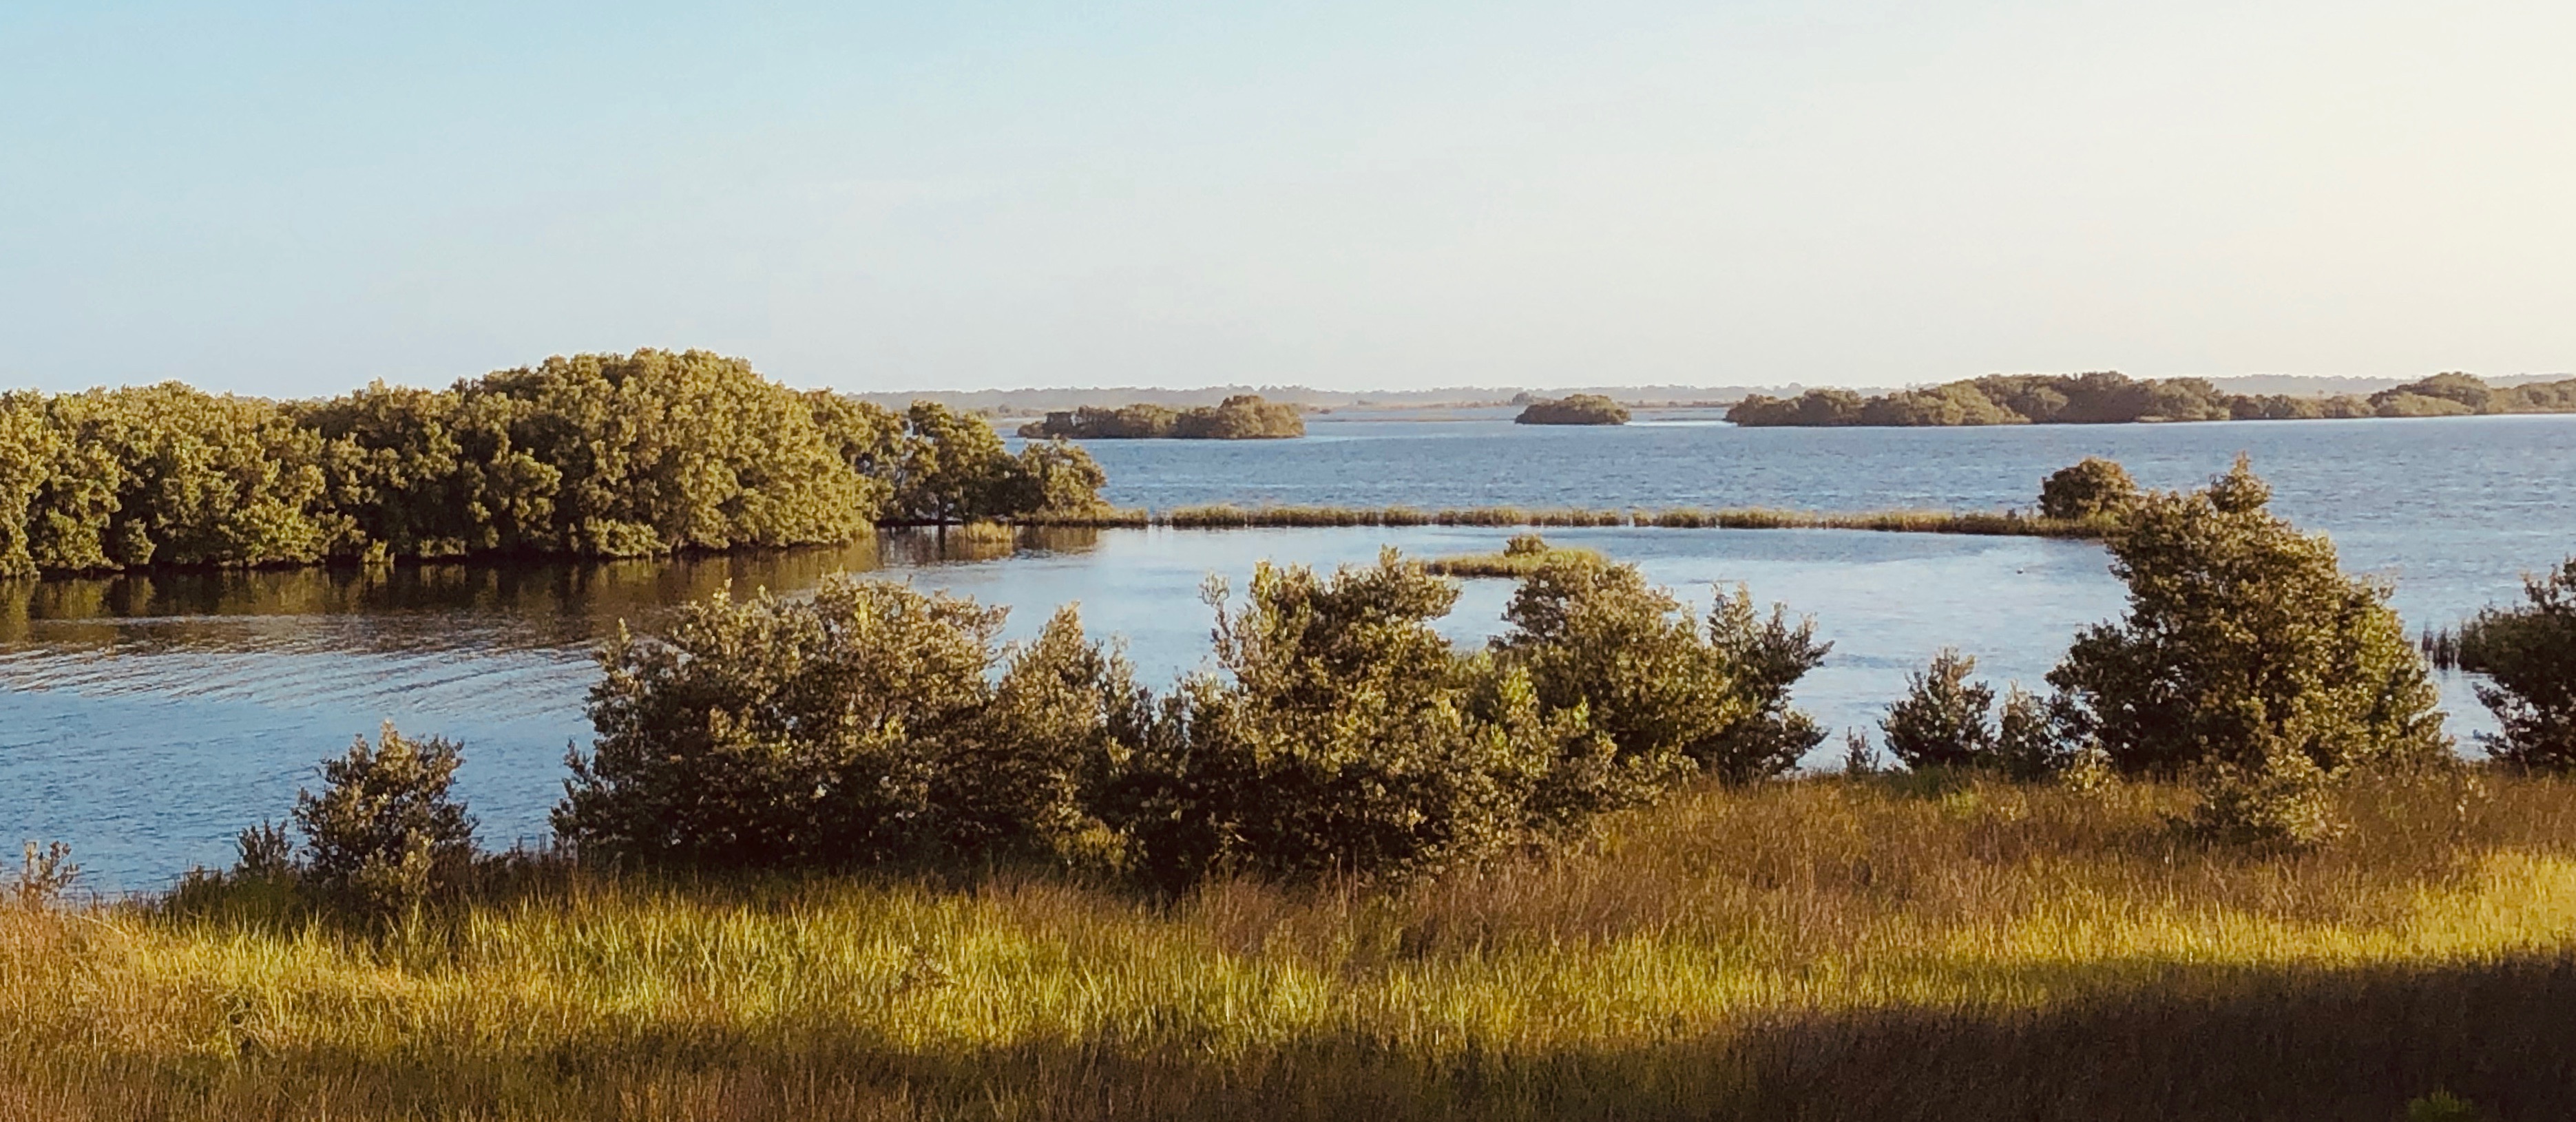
145, 720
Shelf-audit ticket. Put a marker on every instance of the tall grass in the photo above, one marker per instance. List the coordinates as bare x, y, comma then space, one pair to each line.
1890, 947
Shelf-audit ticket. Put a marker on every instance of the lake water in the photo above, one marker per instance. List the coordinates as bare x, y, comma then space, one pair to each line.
145, 720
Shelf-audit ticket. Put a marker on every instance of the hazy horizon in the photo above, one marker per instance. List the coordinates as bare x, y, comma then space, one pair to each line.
295, 199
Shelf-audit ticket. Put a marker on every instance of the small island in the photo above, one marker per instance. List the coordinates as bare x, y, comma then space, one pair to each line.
1574, 409
1241, 417
2108, 397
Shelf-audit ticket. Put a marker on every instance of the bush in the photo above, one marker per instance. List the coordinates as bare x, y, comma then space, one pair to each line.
770, 732
2246, 649
1340, 733
1595, 636
384, 836
2529, 657
1942, 721
2094, 488
1343, 736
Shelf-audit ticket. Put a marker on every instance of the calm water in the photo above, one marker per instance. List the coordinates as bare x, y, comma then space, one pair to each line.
145, 720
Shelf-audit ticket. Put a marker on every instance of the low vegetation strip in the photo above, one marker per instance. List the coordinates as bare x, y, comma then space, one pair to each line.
1241, 417
1229, 517
1918, 946
1524, 555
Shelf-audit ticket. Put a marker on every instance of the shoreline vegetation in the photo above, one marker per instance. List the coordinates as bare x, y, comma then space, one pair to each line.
592, 456
2112, 398
1520, 557
1242, 417
1573, 409
849, 855
1231, 517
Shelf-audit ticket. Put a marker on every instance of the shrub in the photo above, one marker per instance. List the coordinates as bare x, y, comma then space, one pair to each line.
1942, 720
1343, 735
2246, 648
2094, 488
769, 732
2529, 657
1595, 635
383, 836
2031, 739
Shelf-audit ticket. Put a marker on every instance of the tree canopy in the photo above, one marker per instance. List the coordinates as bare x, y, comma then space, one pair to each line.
2108, 397
591, 455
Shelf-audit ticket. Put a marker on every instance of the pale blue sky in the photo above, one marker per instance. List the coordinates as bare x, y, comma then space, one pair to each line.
294, 199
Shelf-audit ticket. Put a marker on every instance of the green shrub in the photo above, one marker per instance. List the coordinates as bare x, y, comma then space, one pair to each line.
384, 836
1942, 719
767, 732
2094, 488
1343, 736
2529, 657
1663, 687
2246, 650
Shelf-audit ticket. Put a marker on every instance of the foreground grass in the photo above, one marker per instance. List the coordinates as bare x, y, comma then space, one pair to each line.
1820, 949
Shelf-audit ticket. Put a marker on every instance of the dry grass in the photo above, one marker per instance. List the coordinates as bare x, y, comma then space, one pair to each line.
1816, 949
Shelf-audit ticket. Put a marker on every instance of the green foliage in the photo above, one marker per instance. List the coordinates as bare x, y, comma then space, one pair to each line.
1942, 720
2106, 397
2247, 650
593, 455
384, 836
1339, 734
2529, 657
2092, 489
1345, 736
769, 732
1240, 417
1574, 409
1594, 636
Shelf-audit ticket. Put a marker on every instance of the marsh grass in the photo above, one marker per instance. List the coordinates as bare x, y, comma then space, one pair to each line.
1523, 555
1228, 516
1920, 946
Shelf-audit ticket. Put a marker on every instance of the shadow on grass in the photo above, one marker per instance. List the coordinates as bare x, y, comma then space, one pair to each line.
2196, 1043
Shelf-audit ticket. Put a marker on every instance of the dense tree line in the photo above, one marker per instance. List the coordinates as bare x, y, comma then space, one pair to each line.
591, 456
1241, 417
2108, 397
1574, 409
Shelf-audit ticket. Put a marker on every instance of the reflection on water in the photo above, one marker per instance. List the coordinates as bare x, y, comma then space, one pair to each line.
146, 719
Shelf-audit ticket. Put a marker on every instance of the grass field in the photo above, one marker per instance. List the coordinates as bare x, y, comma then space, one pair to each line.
1882, 948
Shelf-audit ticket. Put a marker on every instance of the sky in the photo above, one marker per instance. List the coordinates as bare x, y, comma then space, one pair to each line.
296, 199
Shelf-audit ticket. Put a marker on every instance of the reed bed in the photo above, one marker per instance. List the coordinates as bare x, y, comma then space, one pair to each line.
1911, 947
1230, 517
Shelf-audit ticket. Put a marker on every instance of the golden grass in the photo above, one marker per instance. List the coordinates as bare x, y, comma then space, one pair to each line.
1822, 948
